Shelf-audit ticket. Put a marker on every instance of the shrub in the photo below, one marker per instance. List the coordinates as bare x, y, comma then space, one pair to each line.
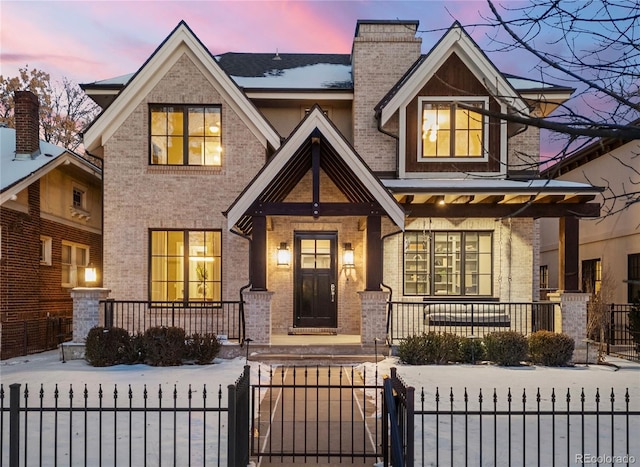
550, 349
106, 346
164, 346
507, 348
133, 352
429, 348
203, 348
471, 350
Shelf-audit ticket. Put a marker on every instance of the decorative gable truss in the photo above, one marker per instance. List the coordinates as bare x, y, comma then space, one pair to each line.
439, 132
180, 42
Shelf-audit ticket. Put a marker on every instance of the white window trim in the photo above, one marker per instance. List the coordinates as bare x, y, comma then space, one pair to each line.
46, 260
74, 267
453, 99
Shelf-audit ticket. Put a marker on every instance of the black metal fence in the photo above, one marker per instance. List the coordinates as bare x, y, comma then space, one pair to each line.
225, 318
34, 335
75, 426
312, 415
562, 428
398, 421
619, 340
406, 319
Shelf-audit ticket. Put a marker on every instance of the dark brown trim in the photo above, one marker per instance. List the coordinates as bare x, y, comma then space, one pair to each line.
323, 209
569, 253
374, 253
258, 255
503, 210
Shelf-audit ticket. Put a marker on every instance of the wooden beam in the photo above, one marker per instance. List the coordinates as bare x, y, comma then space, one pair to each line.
374, 253
503, 210
323, 209
258, 254
482, 199
568, 247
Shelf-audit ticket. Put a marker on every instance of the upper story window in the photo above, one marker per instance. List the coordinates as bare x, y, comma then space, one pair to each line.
186, 135
78, 198
448, 131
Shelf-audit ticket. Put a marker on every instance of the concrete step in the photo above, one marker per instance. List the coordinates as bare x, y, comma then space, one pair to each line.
313, 359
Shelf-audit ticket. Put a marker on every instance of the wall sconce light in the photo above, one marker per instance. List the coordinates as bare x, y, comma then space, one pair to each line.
90, 273
284, 256
348, 258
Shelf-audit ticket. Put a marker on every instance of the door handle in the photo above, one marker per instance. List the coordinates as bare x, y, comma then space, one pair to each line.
333, 293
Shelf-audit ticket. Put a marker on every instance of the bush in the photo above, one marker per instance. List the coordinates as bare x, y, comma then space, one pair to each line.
203, 348
106, 346
507, 348
471, 350
550, 349
164, 346
428, 349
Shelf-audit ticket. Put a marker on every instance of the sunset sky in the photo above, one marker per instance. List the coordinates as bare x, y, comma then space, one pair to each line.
87, 41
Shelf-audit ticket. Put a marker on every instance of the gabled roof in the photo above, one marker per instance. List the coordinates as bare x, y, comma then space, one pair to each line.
181, 41
16, 175
287, 166
456, 40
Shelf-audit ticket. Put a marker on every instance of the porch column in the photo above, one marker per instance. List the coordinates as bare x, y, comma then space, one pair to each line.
374, 253
373, 316
258, 254
571, 319
568, 247
257, 315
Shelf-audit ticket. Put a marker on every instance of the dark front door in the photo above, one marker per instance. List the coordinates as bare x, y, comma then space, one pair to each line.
315, 280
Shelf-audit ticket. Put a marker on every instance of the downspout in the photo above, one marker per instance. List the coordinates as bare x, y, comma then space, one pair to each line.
243, 288
390, 307
396, 137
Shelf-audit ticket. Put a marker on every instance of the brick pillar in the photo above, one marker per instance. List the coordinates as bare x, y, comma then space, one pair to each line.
86, 310
374, 316
257, 315
572, 321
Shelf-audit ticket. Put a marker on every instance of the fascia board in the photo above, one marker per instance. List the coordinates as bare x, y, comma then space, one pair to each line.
300, 95
456, 40
144, 81
315, 120
45, 169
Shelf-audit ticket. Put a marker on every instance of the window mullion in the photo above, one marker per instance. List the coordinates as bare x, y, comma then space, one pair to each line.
185, 135
452, 129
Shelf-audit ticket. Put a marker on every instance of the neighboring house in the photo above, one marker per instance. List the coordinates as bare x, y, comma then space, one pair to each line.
51, 219
609, 245
373, 170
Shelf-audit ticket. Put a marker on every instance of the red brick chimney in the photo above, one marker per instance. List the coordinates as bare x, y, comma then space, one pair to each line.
27, 125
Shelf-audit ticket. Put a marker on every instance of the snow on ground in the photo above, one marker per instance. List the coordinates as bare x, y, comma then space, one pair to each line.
47, 370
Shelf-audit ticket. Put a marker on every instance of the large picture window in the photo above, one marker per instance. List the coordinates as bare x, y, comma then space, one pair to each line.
448, 263
185, 265
186, 135
450, 131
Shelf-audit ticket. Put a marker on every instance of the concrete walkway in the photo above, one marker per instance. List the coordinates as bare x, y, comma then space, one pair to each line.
316, 415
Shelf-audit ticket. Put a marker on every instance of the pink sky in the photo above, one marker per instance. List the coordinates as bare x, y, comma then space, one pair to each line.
88, 41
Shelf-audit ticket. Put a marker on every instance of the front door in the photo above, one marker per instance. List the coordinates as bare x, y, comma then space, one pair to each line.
315, 280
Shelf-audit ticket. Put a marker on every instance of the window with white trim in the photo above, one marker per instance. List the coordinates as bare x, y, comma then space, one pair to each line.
185, 135
74, 259
448, 263
45, 250
450, 131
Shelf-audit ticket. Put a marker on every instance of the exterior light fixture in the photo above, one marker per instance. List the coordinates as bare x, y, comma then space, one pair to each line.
348, 258
90, 273
284, 256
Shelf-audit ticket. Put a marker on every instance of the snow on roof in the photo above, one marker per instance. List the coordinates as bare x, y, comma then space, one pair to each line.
485, 186
11, 170
327, 75
318, 76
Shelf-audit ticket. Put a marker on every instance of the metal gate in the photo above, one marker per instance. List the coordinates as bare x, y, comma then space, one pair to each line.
316, 415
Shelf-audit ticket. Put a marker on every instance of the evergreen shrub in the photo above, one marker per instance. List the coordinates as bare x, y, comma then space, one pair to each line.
506, 348
550, 349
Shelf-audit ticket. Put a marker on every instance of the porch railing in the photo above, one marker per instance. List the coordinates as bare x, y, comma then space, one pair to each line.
224, 318
406, 319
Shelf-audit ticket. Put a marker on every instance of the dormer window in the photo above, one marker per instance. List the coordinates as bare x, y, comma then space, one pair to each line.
78, 198
449, 131
186, 135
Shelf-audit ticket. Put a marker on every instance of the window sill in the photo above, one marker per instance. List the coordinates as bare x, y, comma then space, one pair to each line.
79, 213
184, 169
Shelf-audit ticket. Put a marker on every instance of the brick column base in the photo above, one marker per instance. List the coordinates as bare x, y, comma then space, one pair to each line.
373, 316
572, 320
86, 315
257, 316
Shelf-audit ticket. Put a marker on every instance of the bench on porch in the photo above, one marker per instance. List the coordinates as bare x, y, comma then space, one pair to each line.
466, 314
